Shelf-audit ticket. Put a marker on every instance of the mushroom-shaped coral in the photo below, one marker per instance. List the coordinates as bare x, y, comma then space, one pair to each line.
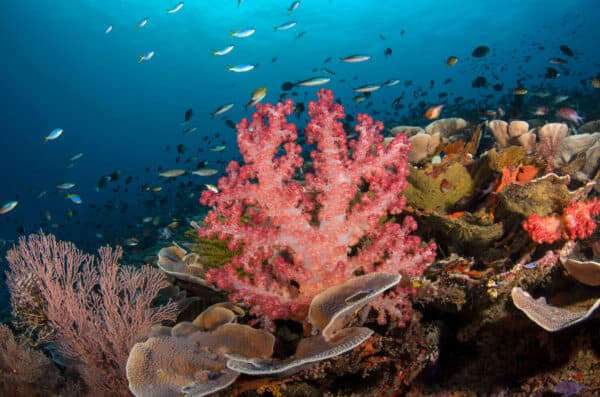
177, 262
422, 146
549, 317
330, 311
585, 271
333, 308
189, 362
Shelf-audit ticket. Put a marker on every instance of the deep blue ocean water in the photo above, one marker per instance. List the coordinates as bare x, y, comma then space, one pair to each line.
61, 70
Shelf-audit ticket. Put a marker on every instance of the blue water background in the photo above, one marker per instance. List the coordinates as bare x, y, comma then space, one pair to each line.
59, 69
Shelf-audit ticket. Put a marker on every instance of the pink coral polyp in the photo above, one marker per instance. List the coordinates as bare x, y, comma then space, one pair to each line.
576, 222
298, 238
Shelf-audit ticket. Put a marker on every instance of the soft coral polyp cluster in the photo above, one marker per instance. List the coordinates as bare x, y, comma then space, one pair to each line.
297, 239
576, 222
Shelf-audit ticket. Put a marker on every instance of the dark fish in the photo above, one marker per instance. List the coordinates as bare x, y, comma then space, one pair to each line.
480, 51
387, 52
181, 148
402, 32
566, 50
299, 108
479, 82
274, 59
188, 115
230, 123
300, 35
498, 87
382, 37
551, 73
328, 59
102, 182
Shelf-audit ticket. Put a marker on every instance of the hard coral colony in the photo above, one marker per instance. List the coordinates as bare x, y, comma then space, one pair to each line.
298, 238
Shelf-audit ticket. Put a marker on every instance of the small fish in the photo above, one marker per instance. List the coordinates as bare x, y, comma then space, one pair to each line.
541, 111
569, 114
42, 194
313, 81
359, 98
560, 98
328, 71
557, 61
142, 23
551, 73
293, 7
286, 26
76, 157
541, 93
245, 67
189, 130
566, 50
222, 109
54, 134
452, 60
480, 52
223, 51
108, 29
433, 112
242, 33
218, 148
65, 186
172, 173
355, 58
175, 9
367, 88
387, 52
212, 187
595, 82
188, 115
520, 91
258, 95
131, 241
146, 57
205, 172
300, 35
390, 83
74, 198
8, 207
155, 189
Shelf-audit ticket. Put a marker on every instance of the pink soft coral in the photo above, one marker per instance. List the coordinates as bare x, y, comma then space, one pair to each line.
297, 240
576, 222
